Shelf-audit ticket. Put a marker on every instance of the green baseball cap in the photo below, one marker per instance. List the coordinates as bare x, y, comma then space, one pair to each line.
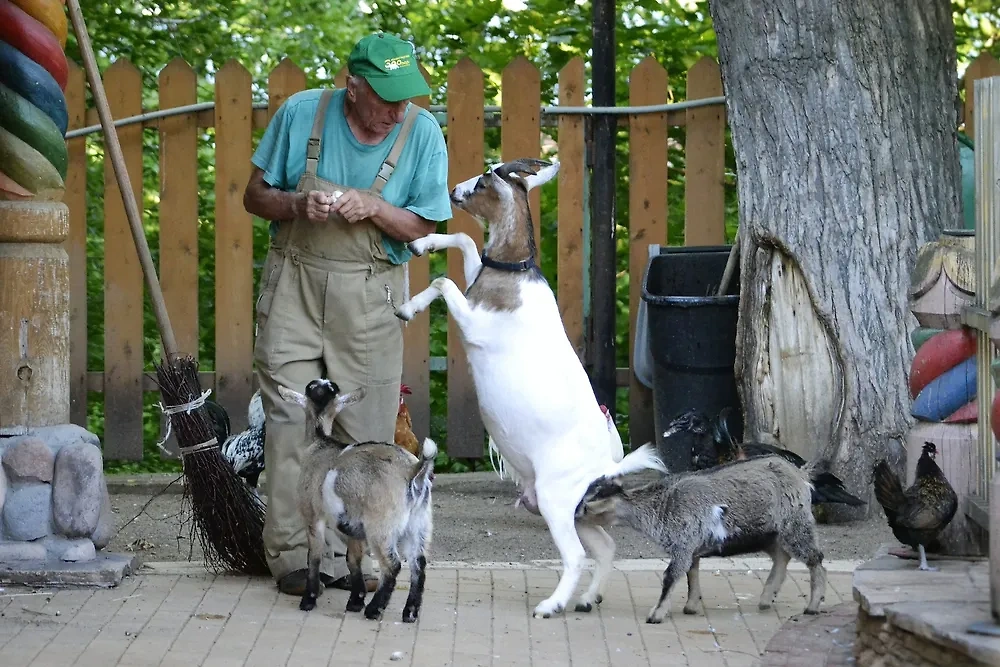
389, 65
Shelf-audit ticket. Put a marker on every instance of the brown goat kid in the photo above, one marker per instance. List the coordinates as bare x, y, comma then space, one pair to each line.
376, 493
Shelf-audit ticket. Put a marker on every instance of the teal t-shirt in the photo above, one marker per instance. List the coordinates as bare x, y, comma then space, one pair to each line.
419, 182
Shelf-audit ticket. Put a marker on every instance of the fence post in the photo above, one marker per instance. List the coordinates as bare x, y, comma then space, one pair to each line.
233, 244
704, 159
466, 434
76, 245
123, 280
572, 168
647, 220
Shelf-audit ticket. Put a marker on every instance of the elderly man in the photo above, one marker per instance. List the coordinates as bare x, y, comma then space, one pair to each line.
347, 177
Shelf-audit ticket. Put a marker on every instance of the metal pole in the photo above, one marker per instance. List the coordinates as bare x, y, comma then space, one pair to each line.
603, 261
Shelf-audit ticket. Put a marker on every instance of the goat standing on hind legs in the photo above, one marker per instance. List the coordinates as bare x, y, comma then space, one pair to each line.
534, 395
374, 492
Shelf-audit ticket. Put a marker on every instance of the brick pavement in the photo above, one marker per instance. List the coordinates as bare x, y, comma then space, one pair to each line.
473, 615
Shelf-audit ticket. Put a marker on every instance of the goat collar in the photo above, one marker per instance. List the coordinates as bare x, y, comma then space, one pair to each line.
513, 267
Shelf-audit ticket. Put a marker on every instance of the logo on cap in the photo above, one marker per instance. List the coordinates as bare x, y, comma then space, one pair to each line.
397, 62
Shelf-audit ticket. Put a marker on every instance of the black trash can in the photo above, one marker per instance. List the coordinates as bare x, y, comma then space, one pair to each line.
692, 342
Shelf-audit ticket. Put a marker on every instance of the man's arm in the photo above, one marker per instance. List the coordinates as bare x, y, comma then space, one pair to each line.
270, 203
399, 223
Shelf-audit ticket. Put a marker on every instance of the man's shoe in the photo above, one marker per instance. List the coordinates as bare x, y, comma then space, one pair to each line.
293, 583
344, 583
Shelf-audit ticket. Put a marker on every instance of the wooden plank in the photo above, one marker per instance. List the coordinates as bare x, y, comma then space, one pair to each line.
465, 160
521, 132
123, 280
572, 164
76, 245
284, 81
980, 68
705, 156
233, 244
417, 337
647, 216
178, 268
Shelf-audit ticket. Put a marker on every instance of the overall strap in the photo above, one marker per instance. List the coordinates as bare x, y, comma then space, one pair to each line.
385, 171
316, 137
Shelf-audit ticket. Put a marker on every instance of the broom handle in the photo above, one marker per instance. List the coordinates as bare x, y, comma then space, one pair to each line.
121, 175
727, 275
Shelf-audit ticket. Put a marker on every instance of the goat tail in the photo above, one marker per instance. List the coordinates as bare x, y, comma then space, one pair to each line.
419, 488
643, 458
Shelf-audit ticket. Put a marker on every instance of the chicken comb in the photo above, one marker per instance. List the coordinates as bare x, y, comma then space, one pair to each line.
403, 389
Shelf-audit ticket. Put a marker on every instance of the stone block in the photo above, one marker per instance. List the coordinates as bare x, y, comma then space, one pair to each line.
21, 551
56, 437
77, 486
79, 550
105, 531
30, 460
27, 514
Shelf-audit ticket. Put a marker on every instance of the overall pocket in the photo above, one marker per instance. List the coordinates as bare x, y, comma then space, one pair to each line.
384, 293
268, 285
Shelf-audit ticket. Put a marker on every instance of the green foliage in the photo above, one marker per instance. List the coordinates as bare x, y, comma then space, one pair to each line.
318, 37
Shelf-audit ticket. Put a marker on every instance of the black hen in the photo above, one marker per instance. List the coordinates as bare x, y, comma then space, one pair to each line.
716, 446
918, 514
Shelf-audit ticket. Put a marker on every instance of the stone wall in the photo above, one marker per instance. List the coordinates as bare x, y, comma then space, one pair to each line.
54, 503
880, 644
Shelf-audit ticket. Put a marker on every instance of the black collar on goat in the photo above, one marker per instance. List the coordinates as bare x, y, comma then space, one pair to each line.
513, 267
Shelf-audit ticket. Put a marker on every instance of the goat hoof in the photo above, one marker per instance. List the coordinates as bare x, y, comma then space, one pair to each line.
811, 612
417, 248
404, 313
409, 616
691, 611
373, 613
599, 599
307, 603
764, 606
547, 609
584, 607
355, 604
654, 620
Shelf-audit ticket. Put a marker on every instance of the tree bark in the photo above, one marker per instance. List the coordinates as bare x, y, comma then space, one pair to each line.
843, 121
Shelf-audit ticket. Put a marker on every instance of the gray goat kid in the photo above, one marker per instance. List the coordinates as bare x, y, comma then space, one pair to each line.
376, 493
758, 505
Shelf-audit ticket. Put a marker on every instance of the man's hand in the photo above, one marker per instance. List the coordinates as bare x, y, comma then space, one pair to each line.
355, 205
313, 206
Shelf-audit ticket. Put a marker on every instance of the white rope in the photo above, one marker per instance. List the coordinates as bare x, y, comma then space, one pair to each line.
177, 409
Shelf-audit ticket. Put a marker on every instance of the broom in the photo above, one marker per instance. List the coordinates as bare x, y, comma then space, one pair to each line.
229, 518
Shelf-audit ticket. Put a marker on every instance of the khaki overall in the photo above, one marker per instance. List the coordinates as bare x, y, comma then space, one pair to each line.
328, 295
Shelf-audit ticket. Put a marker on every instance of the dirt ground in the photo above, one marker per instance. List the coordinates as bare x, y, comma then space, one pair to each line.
474, 521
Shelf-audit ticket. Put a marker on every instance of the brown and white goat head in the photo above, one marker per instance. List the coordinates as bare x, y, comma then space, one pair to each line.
502, 191
322, 401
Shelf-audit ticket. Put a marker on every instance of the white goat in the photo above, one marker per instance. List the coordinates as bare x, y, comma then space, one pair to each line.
376, 493
534, 395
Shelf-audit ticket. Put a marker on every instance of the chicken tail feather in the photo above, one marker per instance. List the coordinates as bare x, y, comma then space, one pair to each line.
888, 490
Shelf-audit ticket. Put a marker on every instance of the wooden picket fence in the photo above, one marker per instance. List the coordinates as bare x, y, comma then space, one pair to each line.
123, 380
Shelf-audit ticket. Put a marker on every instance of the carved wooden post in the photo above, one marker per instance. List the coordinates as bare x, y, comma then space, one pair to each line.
34, 316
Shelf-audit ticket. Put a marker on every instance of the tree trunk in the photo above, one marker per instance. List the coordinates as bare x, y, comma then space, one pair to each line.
843, 120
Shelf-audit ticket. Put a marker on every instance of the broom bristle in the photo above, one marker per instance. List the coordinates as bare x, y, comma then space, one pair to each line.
228, 517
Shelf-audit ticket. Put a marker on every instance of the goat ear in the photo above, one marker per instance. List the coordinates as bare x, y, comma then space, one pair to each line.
350, 398
291, 396
542, 176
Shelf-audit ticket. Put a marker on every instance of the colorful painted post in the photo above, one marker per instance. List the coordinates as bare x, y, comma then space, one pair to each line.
34, 267
943, 376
